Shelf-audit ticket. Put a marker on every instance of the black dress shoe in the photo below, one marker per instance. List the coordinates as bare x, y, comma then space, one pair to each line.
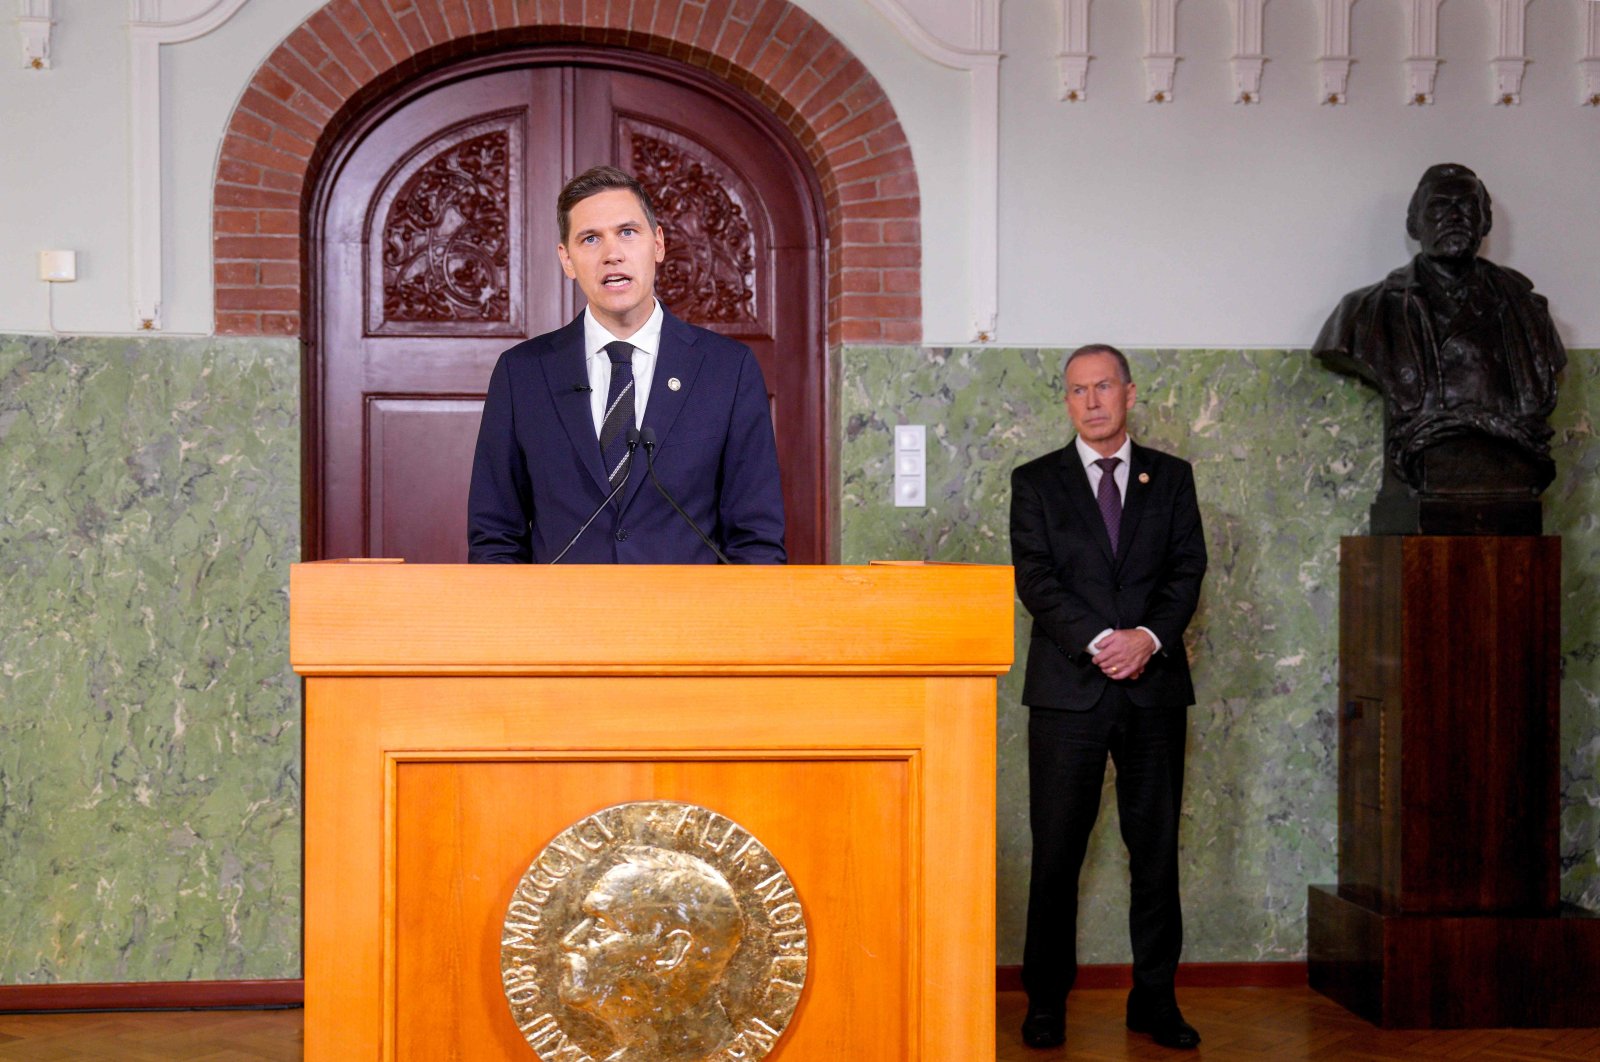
1165, 1025
1044, 1028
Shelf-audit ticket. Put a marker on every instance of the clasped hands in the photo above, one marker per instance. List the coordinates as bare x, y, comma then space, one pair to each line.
1122, 655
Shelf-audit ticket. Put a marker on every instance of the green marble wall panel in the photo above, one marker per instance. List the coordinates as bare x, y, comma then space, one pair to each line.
1286, 460
149, 724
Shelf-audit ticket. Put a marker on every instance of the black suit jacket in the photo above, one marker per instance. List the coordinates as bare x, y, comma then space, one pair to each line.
537, 473
1074, 588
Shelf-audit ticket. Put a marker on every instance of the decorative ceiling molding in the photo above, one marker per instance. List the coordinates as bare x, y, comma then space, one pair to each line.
1249, 17
979, 56
35, 23
1422, 62
1074, 55
1509, 62
152, 23
1160, 49
1333, 65
1589, 65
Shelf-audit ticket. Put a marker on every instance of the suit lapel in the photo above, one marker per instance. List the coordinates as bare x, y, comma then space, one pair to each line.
677, 358
565, 371
1133, 502
1084, 503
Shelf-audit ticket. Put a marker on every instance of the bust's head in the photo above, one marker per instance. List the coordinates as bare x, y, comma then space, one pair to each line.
1449, 213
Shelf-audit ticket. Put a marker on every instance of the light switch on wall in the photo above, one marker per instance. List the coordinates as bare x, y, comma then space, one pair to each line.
910, 466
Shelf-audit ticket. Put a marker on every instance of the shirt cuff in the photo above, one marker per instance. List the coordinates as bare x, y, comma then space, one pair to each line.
1094, 643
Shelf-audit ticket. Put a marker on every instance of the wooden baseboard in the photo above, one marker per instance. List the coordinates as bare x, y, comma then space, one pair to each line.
1190, 975
153, 995
222, 995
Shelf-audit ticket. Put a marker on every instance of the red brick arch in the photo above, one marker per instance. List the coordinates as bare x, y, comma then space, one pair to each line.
350, 51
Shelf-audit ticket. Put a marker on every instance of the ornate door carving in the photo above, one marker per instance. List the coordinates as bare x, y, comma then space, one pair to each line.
436, 251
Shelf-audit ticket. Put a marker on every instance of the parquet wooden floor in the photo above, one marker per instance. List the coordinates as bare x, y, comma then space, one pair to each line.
1276, 1025
1238, 1024
171, 1036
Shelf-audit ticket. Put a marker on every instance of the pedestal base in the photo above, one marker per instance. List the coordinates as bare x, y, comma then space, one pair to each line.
1404, 512
1455, 972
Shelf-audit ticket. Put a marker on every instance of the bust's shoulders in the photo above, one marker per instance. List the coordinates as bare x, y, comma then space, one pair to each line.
1396, 282
1506, 276
1399, 278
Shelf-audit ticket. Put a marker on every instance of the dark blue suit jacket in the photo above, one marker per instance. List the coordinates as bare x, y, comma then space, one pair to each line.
537, 473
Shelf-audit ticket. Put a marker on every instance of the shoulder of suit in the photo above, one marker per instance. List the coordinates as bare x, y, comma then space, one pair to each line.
549, 343
1040, 465
703, 340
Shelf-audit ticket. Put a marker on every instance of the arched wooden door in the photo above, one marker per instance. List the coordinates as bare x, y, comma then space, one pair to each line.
434, 250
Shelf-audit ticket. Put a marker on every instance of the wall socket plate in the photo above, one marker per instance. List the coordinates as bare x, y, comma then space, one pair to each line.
58, 267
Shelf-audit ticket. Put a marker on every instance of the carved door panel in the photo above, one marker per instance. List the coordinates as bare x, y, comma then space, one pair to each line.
425, 278
437, 252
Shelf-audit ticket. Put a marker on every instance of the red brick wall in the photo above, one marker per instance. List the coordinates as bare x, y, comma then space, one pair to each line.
350, 51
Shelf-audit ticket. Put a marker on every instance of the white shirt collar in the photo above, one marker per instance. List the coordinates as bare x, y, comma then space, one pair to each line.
1088, 455
647, 340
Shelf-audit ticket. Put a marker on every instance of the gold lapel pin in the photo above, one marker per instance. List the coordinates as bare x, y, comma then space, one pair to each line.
1144, 477
673, 384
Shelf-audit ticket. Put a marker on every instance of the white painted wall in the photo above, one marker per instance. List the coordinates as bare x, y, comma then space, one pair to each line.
64, 171
1194, 223
1204, 223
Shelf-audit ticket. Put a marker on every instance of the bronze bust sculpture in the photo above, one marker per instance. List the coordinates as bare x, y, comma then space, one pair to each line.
1466, 356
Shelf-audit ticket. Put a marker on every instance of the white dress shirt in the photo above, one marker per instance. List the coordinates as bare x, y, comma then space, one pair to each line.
1088, 455
646, 344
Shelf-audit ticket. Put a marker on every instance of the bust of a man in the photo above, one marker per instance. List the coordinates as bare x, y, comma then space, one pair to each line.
1466, 356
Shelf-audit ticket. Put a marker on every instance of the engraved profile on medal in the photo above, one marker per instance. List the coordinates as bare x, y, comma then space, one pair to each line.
654, 931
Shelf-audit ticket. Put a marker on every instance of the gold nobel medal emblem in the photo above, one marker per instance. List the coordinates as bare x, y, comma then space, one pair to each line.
654, 932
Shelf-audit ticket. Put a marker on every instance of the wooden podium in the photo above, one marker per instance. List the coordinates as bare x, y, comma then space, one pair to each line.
459, 717
1448, 911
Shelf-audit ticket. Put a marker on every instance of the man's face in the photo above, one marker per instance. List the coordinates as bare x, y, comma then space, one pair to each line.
1098, 401
611, 967
1451, 223
612, 253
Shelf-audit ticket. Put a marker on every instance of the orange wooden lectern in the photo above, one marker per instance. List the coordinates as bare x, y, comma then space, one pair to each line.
458, 718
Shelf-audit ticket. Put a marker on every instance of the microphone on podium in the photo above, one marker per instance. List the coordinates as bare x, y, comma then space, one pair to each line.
648, 437
633, 444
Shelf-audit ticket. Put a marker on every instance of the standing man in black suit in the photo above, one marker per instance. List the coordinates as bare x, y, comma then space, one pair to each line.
573, 417
1109, 555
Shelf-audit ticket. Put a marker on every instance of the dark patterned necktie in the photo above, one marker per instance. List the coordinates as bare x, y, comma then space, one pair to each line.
1109, 498
619, 413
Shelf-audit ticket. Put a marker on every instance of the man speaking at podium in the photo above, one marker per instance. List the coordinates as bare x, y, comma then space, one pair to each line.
628, 436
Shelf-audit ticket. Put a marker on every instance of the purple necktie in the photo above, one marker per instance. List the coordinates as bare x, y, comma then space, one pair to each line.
1110, 500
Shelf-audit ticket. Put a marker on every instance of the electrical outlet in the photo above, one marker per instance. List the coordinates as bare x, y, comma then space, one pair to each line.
58, 267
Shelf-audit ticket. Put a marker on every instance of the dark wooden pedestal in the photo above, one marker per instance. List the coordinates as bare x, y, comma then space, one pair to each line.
1405, 971
1447, 912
